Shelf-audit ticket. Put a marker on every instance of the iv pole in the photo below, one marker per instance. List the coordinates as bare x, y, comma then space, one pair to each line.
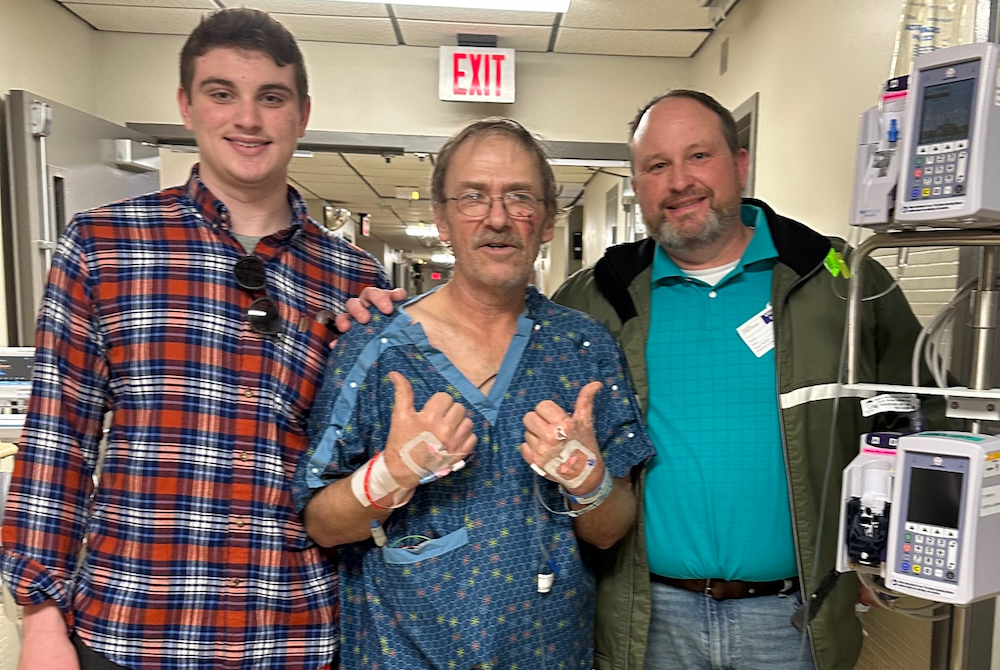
971, 623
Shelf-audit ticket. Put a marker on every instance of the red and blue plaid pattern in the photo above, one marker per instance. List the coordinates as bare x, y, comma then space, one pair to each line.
195, 555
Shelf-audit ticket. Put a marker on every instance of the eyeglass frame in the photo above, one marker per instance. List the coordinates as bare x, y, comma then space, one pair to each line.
503, 200
264, 303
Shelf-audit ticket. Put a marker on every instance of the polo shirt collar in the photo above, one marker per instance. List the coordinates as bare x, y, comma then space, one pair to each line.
761, 247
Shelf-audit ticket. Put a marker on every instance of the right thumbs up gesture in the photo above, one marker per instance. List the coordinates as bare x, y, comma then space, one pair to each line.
426, 442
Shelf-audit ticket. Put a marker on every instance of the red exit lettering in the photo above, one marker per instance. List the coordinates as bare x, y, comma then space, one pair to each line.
486, 71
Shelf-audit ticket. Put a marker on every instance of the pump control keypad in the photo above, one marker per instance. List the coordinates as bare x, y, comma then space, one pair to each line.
936, 164
930, 552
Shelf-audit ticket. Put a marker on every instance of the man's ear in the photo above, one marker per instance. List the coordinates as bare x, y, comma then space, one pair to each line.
742, 167
184, 104
549, 231
441, 221
304, 112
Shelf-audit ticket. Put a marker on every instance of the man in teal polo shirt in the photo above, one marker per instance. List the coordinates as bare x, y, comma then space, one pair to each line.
731, 320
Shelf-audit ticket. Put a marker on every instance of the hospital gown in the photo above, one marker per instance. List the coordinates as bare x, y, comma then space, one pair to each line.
456, 585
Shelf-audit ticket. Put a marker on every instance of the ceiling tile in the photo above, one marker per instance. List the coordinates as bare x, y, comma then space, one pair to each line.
365, 162
313, 7
319, 168
190, 4
340, 180
158, 20
332, 176
435, 34
638, 14
453, 15
339, 29
666, 43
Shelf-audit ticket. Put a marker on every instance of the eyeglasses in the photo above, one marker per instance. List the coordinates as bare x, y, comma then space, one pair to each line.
262, 313
518, 204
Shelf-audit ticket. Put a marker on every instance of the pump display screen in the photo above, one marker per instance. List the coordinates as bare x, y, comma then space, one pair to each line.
935, 497
946, 111
16, 369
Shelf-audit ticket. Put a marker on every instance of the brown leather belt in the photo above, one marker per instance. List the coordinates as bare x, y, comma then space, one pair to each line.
721, 589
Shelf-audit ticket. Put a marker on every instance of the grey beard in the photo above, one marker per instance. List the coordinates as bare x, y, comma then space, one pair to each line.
717, 223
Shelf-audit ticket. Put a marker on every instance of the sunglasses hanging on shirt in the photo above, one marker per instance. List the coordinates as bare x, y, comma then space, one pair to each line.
262, 314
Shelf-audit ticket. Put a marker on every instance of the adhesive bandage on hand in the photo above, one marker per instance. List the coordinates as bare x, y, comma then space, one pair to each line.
552, 467
436, 461
373, 481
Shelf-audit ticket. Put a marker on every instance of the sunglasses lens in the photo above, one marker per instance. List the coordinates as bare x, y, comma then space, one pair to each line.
250, 273
263, 316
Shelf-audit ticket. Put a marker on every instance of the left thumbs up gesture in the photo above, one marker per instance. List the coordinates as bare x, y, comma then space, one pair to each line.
563, 447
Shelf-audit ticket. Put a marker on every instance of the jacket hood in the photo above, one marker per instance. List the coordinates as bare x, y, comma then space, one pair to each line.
799, 247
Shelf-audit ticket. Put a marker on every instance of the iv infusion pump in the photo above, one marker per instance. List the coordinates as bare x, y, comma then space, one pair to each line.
929, 154
923, 511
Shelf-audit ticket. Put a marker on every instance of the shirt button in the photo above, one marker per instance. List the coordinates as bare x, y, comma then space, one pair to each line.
248, 393
244, 457
712, 294
240, 523
235, 581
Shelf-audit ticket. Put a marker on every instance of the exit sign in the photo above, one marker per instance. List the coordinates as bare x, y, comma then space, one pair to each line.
476, 75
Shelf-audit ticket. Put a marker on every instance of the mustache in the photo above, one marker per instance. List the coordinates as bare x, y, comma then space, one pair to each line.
672, 200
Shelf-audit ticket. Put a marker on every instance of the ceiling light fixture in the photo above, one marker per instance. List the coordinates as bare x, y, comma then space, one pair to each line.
558, 6
422, 231
443, 259
588, 162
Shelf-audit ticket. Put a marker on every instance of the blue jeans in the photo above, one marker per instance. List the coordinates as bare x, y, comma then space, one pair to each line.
691, 631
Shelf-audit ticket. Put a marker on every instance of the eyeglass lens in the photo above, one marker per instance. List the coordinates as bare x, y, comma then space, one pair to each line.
250, 273
263, 315
520, 205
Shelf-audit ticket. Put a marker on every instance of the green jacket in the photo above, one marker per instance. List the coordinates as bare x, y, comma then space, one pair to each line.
809, 315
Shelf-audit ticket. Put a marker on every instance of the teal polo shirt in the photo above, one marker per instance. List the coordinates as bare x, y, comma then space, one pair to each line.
716, 495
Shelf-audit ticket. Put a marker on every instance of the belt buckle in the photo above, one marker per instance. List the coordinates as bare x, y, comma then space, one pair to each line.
710, 585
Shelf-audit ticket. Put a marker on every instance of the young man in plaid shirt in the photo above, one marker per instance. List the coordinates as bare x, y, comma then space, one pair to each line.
197, 316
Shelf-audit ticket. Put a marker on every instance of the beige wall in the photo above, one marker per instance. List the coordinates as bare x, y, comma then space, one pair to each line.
175, 167
48, 51
394, 89
817, 64
550, 270
596, 236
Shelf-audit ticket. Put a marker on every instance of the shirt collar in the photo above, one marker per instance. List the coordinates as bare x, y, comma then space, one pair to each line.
215, 213
532, 297
760, 248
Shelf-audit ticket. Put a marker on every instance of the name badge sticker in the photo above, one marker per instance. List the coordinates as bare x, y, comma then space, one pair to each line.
758, 331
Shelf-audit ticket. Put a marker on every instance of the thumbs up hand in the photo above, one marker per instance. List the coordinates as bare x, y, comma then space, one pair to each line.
563, 447
428, 442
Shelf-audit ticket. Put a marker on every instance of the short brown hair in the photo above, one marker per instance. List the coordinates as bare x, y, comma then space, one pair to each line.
725, 116
243, 28
497, 126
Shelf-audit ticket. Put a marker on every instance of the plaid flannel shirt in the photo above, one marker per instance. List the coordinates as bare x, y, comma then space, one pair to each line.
195, 556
